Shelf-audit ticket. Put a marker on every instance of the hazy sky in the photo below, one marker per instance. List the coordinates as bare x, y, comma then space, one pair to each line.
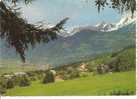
79, 12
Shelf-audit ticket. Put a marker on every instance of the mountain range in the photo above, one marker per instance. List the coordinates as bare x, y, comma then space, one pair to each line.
79, 44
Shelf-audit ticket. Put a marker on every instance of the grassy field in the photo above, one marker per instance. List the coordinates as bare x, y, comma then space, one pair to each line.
90, 85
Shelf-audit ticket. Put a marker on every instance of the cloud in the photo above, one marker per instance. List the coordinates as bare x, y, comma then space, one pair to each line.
79, 11
32, 13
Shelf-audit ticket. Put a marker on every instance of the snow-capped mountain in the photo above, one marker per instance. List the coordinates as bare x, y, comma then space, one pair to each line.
102, 27
124, 21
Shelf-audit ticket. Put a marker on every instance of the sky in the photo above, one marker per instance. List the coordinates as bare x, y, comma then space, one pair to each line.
80, 12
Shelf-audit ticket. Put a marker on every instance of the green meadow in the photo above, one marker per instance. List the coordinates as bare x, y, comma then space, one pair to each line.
106, 84
120, 81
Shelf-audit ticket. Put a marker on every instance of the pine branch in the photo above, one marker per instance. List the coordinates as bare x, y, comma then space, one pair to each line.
20, 34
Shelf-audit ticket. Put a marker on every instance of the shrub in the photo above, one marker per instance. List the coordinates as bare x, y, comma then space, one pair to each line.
24, 81
2, 86
16, 80
114, 65
30, 74
123, 61
34, 75
90, 68
103, 69
2, 90
49, 77
72, 73
99, 69
119, 64
33, 78
9, 83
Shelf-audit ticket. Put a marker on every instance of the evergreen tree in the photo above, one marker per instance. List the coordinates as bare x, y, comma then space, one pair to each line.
19, 33
121, 5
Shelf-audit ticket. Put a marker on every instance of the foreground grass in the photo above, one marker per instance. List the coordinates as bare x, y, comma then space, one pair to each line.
91, 85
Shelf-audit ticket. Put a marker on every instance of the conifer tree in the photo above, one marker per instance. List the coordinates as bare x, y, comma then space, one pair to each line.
19, 33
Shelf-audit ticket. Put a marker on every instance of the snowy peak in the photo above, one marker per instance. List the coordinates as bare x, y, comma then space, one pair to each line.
101, 27
126, 20
107, 27
104, 26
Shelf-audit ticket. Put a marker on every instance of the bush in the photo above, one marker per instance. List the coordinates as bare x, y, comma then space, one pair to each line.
2, 86
33, 75
90, 68
123, 61
114, 64
101, 69
49, 77
72, 73
24, 81
2, 90
39, 74
118, 64
33, 78
9, 83
16, 80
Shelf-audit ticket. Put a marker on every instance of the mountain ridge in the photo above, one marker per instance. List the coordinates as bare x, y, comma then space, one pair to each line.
101, 27
84, 43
